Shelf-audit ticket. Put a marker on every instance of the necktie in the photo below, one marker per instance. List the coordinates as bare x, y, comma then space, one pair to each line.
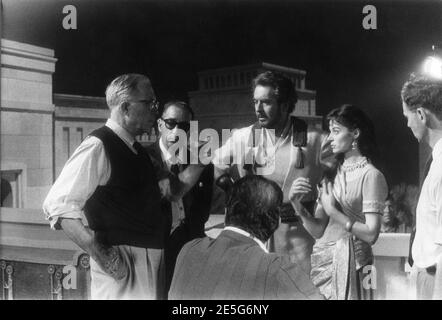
413, 232
175, 169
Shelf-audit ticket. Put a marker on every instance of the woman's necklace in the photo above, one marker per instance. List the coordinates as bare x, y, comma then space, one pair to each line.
355, 165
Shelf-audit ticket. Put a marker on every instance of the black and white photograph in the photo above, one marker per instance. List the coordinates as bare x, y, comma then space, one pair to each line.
221, 150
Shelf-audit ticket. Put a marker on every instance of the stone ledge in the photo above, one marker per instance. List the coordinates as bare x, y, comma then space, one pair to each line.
24, 47
26, 237
21, 62
392, 245
24, 106
23, 56
21, 215
387, 245
40, 255
73, 112
244, 89
252, 67
77, 101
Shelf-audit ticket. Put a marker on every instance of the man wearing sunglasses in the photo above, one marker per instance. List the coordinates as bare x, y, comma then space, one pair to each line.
187, 214
111, 180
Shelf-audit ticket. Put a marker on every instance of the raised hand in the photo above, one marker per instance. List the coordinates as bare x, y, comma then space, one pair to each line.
327, 198
299, 189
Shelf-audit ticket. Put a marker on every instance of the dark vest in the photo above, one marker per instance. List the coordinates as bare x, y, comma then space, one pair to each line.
126, 211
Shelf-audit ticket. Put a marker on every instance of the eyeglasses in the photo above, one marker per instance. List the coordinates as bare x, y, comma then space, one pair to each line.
172, 123
152, 104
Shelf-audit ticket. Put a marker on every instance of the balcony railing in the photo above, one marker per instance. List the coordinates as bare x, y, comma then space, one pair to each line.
33, 258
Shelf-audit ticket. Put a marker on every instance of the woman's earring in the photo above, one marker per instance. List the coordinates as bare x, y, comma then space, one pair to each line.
354, 145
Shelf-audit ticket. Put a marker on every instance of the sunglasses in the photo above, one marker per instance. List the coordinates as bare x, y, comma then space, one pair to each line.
172, 123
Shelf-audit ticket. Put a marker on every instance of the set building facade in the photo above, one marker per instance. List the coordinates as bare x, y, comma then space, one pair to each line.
39, 130
224, 96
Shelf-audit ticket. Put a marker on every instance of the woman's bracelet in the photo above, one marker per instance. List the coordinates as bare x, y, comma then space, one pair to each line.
349, 225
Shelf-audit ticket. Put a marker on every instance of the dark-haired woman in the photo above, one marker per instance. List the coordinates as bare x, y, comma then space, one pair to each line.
348, 215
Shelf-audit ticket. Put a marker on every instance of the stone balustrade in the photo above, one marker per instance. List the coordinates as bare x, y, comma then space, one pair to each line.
35, 261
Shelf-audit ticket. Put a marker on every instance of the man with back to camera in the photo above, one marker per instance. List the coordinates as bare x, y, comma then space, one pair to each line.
236, 265
285, 150
422, 107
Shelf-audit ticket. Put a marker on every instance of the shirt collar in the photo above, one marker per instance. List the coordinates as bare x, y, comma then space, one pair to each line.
437, 150
120, 132
284, 134
245, 233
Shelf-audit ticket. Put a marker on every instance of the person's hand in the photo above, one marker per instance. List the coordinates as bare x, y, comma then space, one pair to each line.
115, 265
164, 185
110, 261
298, 190
328, 200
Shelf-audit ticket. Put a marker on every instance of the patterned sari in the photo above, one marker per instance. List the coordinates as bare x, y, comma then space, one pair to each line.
339, 258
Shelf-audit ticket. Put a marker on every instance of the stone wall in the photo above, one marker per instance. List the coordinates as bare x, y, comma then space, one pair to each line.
26, 114
39, 263
75, 117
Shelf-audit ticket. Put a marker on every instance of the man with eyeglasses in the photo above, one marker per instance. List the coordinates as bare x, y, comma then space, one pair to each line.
188, 214
110, 179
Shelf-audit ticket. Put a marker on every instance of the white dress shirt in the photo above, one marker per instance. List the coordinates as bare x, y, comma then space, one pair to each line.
245, 233
178, 213
87, 168
427, 245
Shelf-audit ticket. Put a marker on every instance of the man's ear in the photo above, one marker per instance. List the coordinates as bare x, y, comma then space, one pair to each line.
159, 124
422, 115
124, 106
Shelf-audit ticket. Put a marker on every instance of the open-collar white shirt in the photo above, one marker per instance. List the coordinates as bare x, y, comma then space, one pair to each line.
427, 245
87, 168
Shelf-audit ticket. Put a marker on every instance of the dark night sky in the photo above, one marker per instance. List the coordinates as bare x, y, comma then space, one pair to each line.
171, 41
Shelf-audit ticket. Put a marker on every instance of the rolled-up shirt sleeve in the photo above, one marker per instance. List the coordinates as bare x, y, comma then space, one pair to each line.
87, 168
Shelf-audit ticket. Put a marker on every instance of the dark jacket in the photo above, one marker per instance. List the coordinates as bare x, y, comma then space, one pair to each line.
234, 266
